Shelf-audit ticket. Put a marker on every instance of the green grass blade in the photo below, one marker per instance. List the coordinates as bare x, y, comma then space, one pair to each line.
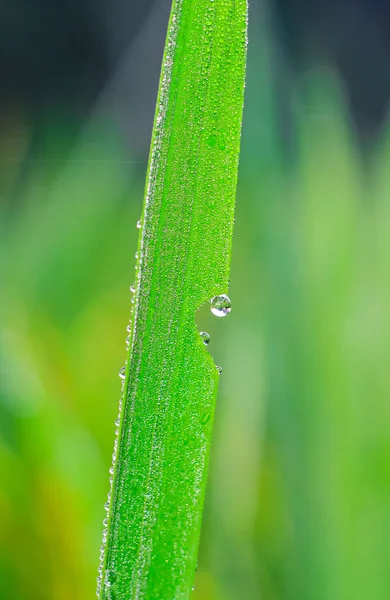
170, 384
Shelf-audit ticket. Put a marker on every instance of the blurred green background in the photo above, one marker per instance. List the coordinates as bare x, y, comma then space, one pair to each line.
298, 504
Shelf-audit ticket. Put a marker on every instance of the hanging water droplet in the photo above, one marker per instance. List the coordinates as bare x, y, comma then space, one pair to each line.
219, 369
138, 224
122, 373
132, 288
205, 337
221, 305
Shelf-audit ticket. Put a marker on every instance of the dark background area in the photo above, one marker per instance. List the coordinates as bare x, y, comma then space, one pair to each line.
59, 55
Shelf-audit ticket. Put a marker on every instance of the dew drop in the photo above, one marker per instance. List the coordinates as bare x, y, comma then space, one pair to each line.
122, 373
132, 288
219, 369
205, 337
138, 224
110, 577
221, 305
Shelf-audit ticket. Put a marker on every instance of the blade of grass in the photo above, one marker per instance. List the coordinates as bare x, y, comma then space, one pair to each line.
170, 381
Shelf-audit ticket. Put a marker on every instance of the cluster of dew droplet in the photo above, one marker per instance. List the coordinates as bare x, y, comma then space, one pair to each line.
100, 582
155, 154
109, 577
220, 306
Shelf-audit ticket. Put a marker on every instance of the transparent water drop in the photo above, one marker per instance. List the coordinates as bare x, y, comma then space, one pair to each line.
219, 369
221, 305
122, 373
132, 288
138, 224
205, 337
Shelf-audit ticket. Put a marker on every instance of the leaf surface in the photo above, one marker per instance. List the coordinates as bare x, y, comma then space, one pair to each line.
170, 382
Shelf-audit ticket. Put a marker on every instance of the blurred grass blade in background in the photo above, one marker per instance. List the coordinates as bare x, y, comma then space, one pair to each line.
170, 381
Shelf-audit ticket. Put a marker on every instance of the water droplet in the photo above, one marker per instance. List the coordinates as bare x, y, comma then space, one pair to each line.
205, 337
122, 373
132, 288
221, 305
138, 224
219, 369
110, 577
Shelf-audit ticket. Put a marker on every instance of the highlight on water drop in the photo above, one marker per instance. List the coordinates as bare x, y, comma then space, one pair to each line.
122, 373
221, 305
